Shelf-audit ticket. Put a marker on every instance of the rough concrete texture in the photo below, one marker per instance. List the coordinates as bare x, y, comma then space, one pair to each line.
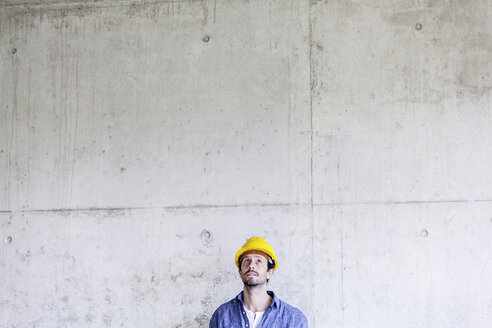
401, 114
139, 268
135, 159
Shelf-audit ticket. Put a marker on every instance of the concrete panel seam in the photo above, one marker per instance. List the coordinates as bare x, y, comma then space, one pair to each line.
177, 207
310, 39
405, 202
311, 96
342, 269
62, 5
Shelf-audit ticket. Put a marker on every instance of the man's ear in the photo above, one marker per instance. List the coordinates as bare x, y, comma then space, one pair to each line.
270, 273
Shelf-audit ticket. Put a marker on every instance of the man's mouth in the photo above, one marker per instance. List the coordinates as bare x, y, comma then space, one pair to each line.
251, 273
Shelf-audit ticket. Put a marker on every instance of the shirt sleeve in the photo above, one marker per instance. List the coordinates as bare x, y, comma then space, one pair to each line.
304, 322
214, 321
300, 320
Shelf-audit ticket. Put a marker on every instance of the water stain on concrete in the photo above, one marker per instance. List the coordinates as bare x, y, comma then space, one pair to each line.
175, 277
202, 320
148, 10
89, 318
24, 257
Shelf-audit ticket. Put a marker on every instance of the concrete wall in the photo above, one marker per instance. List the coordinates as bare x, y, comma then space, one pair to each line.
135, 159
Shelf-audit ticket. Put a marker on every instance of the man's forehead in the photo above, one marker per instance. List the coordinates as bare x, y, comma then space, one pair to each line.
254, 254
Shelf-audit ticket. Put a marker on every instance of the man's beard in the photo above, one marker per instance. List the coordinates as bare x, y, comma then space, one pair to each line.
252, 282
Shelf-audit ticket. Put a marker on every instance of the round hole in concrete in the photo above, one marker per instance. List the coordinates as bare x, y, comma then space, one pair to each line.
424, 233
206, 38
8, 240
418, 26
206, 234
13, 51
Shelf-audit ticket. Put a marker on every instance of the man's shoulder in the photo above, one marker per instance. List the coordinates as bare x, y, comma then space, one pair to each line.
227, 306
291, 308
292, 312
225, 315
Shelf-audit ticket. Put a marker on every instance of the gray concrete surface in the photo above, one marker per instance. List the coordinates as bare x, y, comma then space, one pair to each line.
135, 159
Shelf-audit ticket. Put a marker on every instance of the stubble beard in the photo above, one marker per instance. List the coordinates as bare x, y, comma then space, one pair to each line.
252, 282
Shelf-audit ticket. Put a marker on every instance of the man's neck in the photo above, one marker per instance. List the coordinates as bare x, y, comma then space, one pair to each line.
256, 299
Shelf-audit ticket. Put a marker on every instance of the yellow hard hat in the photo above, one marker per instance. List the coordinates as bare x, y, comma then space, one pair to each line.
257, 244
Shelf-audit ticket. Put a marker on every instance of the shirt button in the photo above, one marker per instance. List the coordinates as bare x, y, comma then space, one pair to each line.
244, 312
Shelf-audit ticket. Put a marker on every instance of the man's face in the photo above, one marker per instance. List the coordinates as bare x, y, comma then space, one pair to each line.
254, 270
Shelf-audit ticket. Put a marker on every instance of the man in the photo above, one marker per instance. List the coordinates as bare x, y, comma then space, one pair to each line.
255, 306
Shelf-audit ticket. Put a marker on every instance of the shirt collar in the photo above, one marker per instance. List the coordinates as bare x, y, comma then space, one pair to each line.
275, 301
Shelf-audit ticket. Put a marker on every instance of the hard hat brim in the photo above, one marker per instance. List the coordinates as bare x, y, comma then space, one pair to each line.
267, 250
